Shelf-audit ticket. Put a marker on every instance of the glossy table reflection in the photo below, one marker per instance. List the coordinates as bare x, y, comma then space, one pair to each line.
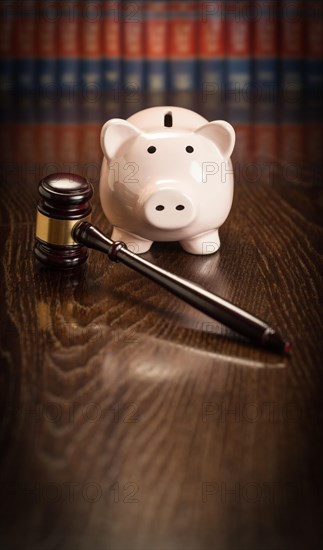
130, 420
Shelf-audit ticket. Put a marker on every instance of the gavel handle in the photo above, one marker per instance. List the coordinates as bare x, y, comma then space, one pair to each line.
215, 307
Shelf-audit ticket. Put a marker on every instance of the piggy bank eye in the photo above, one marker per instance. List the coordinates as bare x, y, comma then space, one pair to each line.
151, 149
189, 149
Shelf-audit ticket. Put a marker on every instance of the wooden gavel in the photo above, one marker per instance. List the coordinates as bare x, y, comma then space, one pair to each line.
63, 233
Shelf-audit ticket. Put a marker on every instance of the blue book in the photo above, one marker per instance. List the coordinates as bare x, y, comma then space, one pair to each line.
111, 74
292, 74
266, 75
46, 74
211, 76
238, 75
90, 74
24, 74
133, 76
68, 79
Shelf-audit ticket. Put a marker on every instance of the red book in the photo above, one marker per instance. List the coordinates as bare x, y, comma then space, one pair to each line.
68, 46
111, 45
132, 47
90, 45
265, 46
265, 30
182, 46
156, 46
211, 49
46, 76
238, 26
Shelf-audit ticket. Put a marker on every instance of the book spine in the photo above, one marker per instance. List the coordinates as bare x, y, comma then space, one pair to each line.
24, 46
182, 46
265, 47
45, 61
132, 47
68, 46
314, 46
155, 46
210, 49
111, 46
292, 46
90, 38
6, 45
238, 20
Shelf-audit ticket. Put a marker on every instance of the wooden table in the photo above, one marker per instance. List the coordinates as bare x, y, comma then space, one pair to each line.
130, 420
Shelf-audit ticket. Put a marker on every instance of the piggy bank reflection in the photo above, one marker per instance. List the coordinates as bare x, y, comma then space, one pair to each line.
167, 176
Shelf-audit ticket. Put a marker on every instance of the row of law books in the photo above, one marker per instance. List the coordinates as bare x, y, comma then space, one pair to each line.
160, 45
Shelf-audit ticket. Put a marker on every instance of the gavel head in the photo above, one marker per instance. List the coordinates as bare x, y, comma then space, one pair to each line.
64, 202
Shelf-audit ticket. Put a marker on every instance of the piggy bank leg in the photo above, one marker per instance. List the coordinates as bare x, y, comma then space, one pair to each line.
207, 243
136, 244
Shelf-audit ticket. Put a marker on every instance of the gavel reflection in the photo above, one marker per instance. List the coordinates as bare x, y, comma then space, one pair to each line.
64, 232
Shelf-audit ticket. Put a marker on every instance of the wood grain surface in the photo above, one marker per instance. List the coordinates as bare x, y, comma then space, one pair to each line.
132, 421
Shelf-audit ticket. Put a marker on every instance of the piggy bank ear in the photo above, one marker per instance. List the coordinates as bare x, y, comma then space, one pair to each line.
114, 134
221, 133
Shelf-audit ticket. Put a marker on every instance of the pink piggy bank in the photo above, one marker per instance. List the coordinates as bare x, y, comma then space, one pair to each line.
167, 176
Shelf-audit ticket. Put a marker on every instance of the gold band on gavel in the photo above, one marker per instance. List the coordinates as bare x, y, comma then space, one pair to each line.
54, 231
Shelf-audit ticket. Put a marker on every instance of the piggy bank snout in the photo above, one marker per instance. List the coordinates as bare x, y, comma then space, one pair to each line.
168, 209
